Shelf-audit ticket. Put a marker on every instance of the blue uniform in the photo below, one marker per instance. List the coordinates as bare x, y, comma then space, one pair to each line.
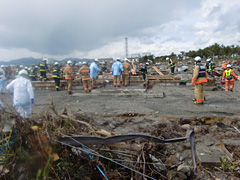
93, 70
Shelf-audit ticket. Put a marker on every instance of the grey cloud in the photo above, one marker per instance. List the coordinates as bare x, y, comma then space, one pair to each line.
59, 27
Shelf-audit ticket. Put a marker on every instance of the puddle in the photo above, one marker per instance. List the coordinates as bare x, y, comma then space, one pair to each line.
213, 105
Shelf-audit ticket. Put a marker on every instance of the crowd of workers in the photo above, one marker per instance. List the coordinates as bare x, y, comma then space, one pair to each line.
200, 76
23, 96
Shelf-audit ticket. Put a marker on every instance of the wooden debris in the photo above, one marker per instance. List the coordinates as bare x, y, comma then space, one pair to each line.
158, 71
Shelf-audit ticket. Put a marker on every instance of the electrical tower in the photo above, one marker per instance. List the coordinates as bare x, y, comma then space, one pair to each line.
126, 47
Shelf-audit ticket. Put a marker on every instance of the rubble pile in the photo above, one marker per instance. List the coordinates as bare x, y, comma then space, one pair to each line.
33, 150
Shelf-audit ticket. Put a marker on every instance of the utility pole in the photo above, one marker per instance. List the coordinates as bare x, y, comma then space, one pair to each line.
212, 53
126, 47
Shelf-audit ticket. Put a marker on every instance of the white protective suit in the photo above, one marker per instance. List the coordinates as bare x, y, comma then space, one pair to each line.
22, 95
2, 80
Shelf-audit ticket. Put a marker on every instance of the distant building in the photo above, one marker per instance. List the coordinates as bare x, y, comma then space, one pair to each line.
136, 55
146, 54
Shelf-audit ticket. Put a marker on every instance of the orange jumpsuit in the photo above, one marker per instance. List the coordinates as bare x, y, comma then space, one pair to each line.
199, 80
69, 77
125, 76
84, 72
229, 77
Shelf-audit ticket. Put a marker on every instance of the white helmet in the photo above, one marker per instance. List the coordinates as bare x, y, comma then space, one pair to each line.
118, 59
23, 72
21, 66
224, 61
198, 58
36, 67
147, 63
2, 66
126, 59
167, 58
56, 63
84, 63
229, 65
69, 62
96, 60
209, 59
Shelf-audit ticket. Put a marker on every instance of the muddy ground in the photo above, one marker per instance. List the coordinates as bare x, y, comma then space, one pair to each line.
163, 111
112, 105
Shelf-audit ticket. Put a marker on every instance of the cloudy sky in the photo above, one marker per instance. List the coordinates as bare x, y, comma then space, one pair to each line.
97, 28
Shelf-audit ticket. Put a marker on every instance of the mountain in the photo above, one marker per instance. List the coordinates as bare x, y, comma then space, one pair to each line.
33, 61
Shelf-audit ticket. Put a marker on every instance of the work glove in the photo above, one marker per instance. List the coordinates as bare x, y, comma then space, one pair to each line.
32, 101
222, 82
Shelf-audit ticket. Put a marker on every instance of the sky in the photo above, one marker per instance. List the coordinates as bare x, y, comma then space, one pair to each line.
91, 29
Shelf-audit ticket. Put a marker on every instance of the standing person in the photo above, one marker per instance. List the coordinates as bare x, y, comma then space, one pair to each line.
125, 76
43, 70
18, 70
208, 67
56, 75
2, 80
229, 78
143, 71
84, 72
33, 73
23, 95
117, 70
94, 72
172, 65
199, 80
69, 76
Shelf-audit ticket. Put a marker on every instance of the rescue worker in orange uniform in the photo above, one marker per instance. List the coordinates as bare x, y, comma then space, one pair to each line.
199, 80
69, 76
229, 78
125, 76
84, 72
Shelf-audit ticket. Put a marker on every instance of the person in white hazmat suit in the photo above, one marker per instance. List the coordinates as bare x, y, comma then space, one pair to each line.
2, 80
23, 95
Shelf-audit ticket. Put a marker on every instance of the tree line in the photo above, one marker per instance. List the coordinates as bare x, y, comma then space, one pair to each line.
215, 51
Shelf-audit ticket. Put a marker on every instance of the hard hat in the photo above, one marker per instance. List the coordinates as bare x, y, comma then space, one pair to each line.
56, 63
84, 63
25, 67
2, 66
21, 66
167, 58
118, 59
69, 62
36, 66
209, 59
126, 59
147, 63
229, 65
198, 58
96, 60
23, 72
224, 61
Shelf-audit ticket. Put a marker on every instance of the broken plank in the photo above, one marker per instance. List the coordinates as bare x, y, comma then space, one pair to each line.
158, 71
